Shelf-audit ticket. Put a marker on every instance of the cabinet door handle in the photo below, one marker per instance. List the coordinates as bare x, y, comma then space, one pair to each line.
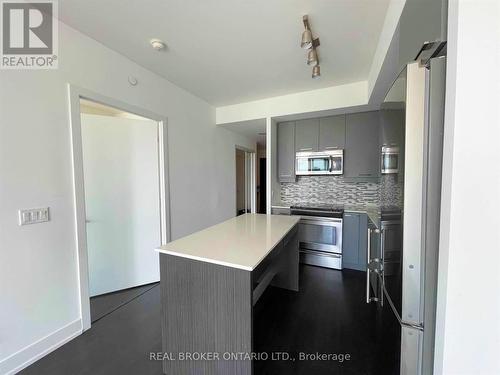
285, 175
331, 147
306, 149
366, 174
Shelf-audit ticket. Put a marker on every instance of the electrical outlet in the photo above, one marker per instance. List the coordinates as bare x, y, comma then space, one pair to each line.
33, 216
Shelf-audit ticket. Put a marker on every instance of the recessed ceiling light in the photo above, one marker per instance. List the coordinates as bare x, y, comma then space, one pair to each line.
157, 44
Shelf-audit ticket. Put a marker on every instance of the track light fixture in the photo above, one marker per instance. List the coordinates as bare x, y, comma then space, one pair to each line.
310, 43
306, 42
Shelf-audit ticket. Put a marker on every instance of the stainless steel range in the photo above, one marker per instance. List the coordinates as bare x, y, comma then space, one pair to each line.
320, 234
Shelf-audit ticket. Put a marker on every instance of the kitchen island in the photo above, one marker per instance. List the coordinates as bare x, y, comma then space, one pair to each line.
210, 281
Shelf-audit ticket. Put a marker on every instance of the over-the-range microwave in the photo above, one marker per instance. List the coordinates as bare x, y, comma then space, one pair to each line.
319, 163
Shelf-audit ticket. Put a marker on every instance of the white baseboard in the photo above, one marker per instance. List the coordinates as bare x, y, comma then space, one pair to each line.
33, 352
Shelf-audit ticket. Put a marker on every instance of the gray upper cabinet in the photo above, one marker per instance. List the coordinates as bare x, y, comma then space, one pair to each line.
391, 127
307, 135
362, 151
332, 133
354, 241
286, 151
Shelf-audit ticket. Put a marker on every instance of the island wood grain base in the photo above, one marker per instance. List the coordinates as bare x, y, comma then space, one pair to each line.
207, 308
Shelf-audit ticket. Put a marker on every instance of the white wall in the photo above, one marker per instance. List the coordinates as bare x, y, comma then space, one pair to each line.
468, 313
39, 304
389, 28
342, 96
122, 201
273, 187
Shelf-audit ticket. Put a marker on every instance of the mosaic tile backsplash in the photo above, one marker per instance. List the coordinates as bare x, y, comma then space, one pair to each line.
335, 189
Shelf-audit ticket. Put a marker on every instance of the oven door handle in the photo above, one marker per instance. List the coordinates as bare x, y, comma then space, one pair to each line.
327, 222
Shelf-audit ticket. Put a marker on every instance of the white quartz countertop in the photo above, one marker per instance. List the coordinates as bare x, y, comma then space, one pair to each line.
241, 242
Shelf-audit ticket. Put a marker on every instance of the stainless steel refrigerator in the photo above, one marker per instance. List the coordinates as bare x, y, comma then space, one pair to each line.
403, 247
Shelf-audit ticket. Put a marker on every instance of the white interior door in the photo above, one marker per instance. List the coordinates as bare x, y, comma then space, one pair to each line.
122, 201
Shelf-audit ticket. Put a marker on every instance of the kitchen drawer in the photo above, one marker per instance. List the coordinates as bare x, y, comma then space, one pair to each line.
316, 258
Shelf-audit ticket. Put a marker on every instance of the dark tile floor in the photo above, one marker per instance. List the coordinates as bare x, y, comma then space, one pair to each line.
328, 315
105, 304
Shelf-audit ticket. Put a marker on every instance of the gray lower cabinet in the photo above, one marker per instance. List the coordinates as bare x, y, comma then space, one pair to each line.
332, 133
354, 241
286, 151
392, 244
362, 151
307, 135
207, 307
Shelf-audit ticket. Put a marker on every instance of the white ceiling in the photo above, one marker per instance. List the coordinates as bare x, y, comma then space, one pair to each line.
232, 51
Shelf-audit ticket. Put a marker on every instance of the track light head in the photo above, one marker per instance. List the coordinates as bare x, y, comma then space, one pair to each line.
312, 57
306, 42
316, 73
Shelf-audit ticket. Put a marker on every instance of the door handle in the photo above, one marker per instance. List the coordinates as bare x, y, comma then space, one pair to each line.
306, 149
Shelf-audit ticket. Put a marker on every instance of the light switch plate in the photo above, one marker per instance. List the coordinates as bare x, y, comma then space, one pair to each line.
33, 216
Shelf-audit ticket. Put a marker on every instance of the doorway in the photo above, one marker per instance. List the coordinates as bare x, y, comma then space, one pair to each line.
262, 185
121, 194
245, 181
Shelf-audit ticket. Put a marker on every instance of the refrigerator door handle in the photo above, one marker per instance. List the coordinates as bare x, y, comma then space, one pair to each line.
416, 326
382, 263
374, 265
368, 257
